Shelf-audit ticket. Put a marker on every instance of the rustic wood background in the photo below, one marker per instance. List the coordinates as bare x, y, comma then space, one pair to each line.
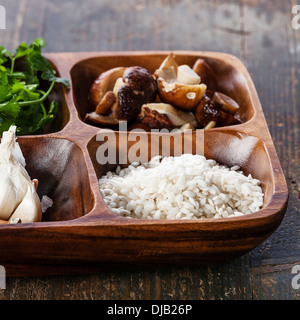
259, 32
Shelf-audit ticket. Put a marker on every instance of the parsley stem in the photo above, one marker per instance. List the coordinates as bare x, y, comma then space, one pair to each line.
12, 65
28, 103
43, 109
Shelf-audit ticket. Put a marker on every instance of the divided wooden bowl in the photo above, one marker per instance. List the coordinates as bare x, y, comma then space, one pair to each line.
80, 233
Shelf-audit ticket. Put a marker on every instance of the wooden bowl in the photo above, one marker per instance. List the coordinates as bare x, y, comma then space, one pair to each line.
81, 234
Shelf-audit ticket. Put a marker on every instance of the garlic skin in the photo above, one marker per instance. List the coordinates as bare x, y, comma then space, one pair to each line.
14, 179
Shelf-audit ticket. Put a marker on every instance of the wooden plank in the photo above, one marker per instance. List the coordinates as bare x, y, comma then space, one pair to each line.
272, 58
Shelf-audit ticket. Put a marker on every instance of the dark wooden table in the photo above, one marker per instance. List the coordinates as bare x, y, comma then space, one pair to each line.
260, 33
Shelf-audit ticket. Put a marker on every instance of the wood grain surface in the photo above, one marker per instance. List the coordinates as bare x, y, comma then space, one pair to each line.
257, 32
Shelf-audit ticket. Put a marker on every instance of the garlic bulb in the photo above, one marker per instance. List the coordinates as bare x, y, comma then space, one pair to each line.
18, 197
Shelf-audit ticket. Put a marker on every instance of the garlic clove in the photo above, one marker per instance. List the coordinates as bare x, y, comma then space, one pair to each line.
30, 209
187, 76
18, 155
14, 178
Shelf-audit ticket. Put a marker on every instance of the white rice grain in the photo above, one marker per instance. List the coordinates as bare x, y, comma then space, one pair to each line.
184, 187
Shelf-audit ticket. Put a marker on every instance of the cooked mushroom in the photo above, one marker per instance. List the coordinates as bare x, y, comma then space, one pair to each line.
187, 76
105, 105
179, 85
98, 119
207, 112
163, 115
210, 125
129, 103
225, 103
186, 127
104, 83
204, 71
119, 93
139, 88
141, 80
175, 96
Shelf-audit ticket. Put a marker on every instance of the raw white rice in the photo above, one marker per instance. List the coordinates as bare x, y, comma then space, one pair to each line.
184, 187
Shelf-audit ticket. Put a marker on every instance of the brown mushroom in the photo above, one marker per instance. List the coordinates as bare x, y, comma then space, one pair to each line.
207, 112
155, 120
104, 83
98, 119
141, 80
225, 103
139, 88
105, 105
163, 115
179, 85
119, 93
207, 75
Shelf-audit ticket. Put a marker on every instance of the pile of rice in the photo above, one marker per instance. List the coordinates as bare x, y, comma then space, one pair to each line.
184, 187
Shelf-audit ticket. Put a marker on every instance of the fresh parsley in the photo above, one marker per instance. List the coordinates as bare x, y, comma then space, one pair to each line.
22, 99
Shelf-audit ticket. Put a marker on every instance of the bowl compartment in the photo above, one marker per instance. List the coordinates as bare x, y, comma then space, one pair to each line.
57, 95
60, 167
226, 147
229, 80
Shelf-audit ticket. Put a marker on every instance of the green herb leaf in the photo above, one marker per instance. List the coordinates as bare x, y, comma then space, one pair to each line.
21, 96
40, 63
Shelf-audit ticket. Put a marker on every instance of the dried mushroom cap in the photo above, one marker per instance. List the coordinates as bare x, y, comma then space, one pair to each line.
163, 115
104, 83
226, 103
207, 112
140, 79
105, 105
129, 103
179, 85
98, 119
139, 88
119, 94
155, 119
184, 97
